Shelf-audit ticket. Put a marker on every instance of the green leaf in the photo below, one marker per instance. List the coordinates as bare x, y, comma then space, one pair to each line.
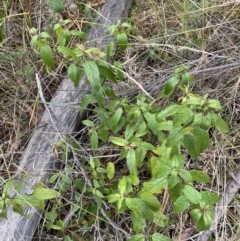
119, 70
185, 175
31, 201
105, 71
154, 186
110, 170
201, 139
92, 73
199, 176
103, 133
75, 74
122, 184
8, 187
80, 34
86, 100
122, 40
139, 207
151, 121
131, 161
209, 197
214, 104
160, 237
47, 55
138, 224
189, 144
118, 141
110, 49
113, 198
180, 205
116, 117
129, 131
192, 194
184, 116
173, 180
162, 170
42, 193
151, 201
196, 214
175, 192
58, 30
219, 123
67, 51
88, 123
175, 136
138, 237
94, 140
168, 111
170, 86
186, 78
143, 145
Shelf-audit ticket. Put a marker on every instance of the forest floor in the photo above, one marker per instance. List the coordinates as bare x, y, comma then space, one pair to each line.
205, 35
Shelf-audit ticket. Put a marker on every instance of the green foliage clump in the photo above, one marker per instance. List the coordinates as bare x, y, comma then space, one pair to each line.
142, 132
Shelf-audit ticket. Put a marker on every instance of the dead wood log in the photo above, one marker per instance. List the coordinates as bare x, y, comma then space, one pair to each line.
61, 118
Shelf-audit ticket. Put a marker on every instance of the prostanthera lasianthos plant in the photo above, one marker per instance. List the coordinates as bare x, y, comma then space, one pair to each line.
144, 134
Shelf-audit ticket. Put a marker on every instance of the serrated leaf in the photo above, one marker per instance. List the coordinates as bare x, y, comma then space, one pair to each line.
94, 140
173, 180
199, 176
174, 137
160, 237
168, 111
183, 116
122, 40
189, 144
42, 193
151, 121
118, 141
196, 214
214, 104
185, 175
154, 186
170, 86
110, 170
180, 205
209, 197
47, 55
192, 194
92, 73
151, 201
139, 207
201, 139
138, 225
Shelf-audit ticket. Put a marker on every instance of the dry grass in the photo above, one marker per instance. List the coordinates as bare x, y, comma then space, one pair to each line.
202, 34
